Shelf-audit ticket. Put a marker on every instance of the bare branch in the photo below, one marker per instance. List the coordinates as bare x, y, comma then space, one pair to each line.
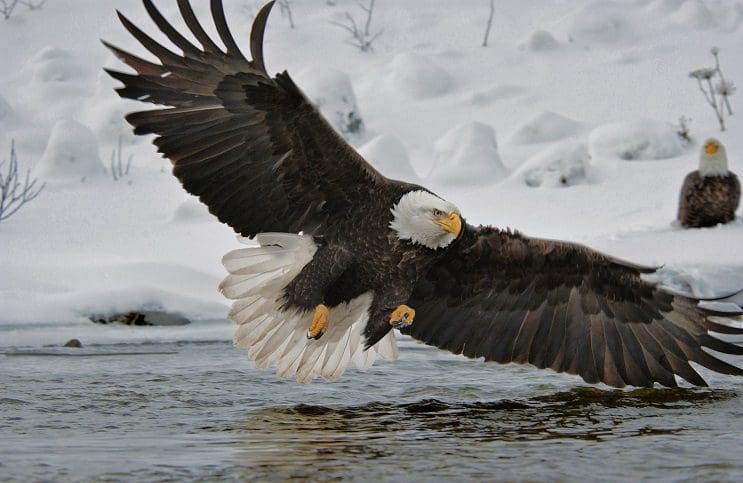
6, 8
286, 9
490, 23
724, 89
361, 39
13, 194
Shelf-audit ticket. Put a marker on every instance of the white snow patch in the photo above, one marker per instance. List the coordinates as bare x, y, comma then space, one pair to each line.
192, 210
468, 154
387, 154
419, 77
540, 41
332, 92
71, 153
52, 65
565, 164
8, 116
636, 140
694, 14
547, 126
496, 93
600, 22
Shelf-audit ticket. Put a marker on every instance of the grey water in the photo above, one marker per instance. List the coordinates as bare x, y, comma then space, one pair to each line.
200, 411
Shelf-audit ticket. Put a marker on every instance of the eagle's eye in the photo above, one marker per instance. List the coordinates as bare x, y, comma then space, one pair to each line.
437, 212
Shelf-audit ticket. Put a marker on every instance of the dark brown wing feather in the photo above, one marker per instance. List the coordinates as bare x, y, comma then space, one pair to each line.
509, 298
707, 201
252, 147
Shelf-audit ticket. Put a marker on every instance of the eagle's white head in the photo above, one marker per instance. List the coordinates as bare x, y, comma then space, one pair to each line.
713, 161
426, 219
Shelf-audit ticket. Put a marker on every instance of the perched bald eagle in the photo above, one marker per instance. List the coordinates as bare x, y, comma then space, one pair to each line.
346, 255
709, 195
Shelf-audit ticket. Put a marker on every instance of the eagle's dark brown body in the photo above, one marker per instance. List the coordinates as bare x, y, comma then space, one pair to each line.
263, 159
708, 200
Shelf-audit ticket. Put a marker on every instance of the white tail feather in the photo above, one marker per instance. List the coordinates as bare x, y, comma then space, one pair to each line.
276, 337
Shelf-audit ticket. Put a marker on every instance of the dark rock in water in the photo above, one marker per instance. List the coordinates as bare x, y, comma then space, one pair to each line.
141, 318
73, 343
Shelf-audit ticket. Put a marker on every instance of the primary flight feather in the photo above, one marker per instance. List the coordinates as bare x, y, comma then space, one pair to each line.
346, 255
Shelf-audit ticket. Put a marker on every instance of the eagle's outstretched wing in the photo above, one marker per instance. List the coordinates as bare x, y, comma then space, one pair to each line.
252, 147
509, 298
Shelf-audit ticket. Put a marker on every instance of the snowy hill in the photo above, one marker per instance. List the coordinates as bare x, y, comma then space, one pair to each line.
588, 91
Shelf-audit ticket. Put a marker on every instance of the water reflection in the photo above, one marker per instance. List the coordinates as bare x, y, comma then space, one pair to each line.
290, 439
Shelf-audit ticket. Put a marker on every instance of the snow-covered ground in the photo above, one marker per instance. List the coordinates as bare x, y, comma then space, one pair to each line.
563, 127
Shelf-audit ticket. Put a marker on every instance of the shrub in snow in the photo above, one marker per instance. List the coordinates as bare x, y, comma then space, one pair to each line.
546, 127
418, 77
468, 154
15, 190
716, 95
635, 140
331, 91
387, 154
119, 169
540, 41
562, 165
71, 153
361, 37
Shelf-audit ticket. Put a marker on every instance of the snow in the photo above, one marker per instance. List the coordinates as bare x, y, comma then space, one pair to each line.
540, 41
71, 153
387, 154
468, 154
418, 76
565, 164
547, 126
332, 92
636, 140
579, 90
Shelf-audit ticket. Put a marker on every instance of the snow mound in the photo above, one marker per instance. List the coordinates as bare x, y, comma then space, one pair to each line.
694, 14
387, 154
630, 141
71, 152
566, 164
418, 77
57, 81
52, 64
547, 126
8, 116
191, 211
332, 92
540, 41
600, 22
468, 154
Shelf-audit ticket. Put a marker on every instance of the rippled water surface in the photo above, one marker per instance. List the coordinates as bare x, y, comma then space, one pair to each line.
195, 411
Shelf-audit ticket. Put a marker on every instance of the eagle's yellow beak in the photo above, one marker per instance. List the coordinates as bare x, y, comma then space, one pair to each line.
452, 223
710, 148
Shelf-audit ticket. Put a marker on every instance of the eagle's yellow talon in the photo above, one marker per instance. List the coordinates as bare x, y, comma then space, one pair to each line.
402, 316
319, 322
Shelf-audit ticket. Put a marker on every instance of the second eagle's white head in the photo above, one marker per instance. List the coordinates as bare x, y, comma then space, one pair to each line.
713, 160
426, 219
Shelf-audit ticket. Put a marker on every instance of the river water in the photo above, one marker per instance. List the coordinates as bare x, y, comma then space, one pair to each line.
198, 410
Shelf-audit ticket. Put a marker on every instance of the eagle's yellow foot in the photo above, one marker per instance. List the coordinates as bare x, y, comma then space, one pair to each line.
402, 316
319, 322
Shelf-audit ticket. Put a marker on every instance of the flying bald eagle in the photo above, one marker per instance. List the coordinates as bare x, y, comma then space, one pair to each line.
711, 194
345, 255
